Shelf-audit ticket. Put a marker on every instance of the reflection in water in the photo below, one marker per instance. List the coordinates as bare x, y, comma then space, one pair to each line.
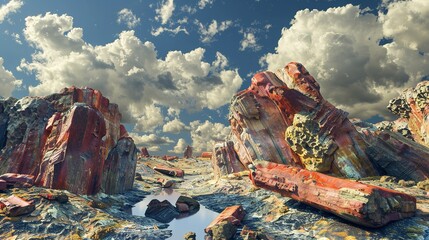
181, 225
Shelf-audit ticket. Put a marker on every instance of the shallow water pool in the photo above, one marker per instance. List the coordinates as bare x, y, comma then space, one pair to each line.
193, 223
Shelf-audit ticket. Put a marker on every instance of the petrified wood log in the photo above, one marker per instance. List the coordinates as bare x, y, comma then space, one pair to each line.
360, 203
15, 206
206, 154
170, 171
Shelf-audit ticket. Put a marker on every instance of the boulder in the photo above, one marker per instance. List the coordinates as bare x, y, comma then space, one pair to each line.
190, 236
144, 152
165, 183
232, 215
163, 211
188, 152
192, 205
14, 206
18, 180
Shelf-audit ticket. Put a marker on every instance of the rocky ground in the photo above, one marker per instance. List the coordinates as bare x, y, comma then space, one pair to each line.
109, 216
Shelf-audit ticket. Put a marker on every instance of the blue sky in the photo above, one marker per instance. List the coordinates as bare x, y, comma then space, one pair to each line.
173, 65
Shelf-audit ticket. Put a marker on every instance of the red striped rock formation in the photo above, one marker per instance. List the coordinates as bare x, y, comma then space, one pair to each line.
64, 140
283, 119
144, 152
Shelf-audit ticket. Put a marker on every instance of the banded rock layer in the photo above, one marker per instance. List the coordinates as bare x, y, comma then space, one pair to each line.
64, 140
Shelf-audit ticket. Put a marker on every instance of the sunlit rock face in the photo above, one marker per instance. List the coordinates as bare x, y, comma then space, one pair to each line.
412, 108
64, 140
288, 135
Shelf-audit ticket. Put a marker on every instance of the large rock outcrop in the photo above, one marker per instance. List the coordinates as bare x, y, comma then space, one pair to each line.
64, 140
282, 119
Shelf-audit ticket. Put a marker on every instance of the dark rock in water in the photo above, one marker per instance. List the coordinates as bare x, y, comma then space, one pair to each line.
190, 236
192, 204
64, 140
15, 206
163, 211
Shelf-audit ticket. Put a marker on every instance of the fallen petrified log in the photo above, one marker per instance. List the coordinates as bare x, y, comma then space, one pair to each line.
360, 203
206, 154
15, 206
169, 158
170, 171
232, 214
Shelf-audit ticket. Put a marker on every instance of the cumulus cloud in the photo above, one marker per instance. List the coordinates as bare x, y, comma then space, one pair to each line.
151, 141
165, 11
341, 48
156, 32
127, 17
127, 70
8, 82
180, 146
208, 33
204, 3
205, 135
174, 126
11, 7
249, 41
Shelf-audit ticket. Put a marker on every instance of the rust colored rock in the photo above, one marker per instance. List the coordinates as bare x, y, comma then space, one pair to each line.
283, 118
232, 214
188, 152
206, 155
70, 151
15, 179
165, 183
360, 203
63, 139
225, 159
169, 158
55, 196
122, 156
144, 152
15, 206
192, 205
170, 171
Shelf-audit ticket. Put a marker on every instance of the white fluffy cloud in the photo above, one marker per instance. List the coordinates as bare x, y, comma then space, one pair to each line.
127, 17
174, 126
8, 82
249, 41
208, 33
11, 7
165, 11
151, 141
204, 3
127, 70
340, 48
205, 135
156, 32
180, 146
